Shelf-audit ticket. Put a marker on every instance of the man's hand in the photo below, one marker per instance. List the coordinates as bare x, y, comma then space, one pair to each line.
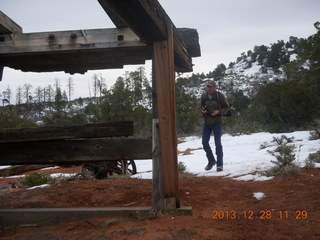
204, 111
215, 112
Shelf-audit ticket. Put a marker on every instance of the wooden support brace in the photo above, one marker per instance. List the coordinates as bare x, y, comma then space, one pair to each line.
7, 25
165, 154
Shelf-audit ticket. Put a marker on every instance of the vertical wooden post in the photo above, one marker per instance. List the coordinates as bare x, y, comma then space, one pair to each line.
1, 72
165, 138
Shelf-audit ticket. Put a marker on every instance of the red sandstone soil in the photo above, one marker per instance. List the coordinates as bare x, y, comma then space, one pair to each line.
204, 194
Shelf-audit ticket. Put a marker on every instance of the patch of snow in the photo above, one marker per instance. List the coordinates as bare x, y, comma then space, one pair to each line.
251, 177
2, 167
39, 186
57, 175
16, 176
259, 195
293, 57
49, 168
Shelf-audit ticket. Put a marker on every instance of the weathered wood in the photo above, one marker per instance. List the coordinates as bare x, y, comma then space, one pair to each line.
164, 76
58, 215
15, 170
190, 37
149, 21
73, 51
75, 151
95, 130
7, 25
157, 187
1, 72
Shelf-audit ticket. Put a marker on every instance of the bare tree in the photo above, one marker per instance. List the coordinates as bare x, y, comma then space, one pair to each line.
38, 95
19, 95
95, 85
6, 95
27, 92
70, 87
101, 84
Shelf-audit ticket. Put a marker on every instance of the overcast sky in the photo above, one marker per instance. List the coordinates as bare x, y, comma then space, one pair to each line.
226, 29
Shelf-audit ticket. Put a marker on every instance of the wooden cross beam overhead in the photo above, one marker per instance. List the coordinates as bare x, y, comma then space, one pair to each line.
143, 31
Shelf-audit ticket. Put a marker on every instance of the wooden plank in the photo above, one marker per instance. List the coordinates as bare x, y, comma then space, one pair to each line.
164, 77
73, 51
149, 21
94, 130
7, 25
60, 41
59, 215
75, 151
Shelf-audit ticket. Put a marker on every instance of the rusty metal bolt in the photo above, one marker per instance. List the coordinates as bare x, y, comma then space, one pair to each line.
51, 36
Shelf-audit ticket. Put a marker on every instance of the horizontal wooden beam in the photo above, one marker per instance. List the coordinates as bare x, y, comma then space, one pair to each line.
7, 25
73, 51
145, 18
150, 22
58, 215
93, 130
75, 151
190, 37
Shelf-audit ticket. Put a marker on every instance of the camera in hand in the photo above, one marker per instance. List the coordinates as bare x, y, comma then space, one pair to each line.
206, 108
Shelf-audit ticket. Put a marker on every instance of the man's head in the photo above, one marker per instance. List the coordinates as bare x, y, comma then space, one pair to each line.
211, 87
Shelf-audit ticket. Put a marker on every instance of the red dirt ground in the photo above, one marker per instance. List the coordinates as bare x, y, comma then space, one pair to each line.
205, 194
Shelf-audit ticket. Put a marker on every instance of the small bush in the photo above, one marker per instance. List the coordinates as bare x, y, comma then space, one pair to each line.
290, 170
35, 179
284, 155
315, 134
315, 157
182, 168
285, 158
264, 145
309, 164
282, 140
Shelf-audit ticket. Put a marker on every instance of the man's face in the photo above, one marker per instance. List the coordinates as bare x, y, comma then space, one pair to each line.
211, 90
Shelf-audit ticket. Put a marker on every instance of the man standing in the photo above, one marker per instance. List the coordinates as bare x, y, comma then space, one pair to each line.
213, 106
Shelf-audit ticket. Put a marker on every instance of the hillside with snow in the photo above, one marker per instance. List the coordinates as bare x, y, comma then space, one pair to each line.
253, 69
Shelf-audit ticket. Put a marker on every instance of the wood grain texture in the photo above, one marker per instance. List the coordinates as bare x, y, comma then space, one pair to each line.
75, 151
96, 130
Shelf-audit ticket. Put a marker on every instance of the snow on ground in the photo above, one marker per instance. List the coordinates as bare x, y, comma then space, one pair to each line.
243, 157
259, 195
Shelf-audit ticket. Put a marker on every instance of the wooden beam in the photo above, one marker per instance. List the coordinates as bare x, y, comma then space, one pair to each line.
149, 21
93, 130
145, 18
73, 51
58, 215
75, 151
164, 77
190, 37
7, 25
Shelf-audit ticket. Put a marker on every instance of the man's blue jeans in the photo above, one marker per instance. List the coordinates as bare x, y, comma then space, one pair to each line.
217, 131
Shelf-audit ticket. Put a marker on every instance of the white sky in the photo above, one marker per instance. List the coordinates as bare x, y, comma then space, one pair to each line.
226, 29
